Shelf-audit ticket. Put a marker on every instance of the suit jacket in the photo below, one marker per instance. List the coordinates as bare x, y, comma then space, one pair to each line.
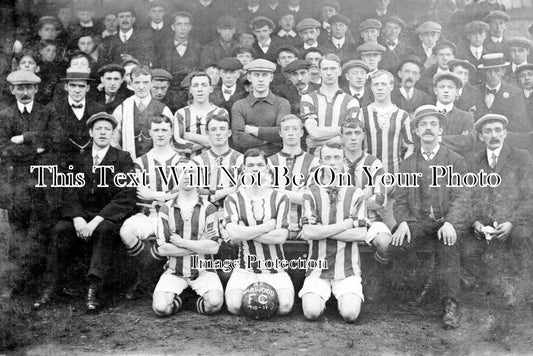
213, 52
178, 66
458, 122
272, 50
469, 99
511, 200
391, 58
140, 46
419, 98
289, 92
122, 94
426, 81
368, 96
217, 98
452, 200
113, 203
502, 47
465, 53
159, 37
509, 102
204, 24
345, 53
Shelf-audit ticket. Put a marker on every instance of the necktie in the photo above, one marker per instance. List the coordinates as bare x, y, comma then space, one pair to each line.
25, 112
489, 97
493, 160
141, 106
124, 37
77, 106
428, 155
339, 45
96, 160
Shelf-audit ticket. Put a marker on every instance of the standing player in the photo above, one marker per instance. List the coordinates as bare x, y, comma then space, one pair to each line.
141, 227
187, 234
256, 218
192, 119
333, 221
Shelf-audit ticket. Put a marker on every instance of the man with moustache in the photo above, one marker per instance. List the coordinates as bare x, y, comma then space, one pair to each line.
160, 90
298, 74
432, 216
406, 96
396, 48
91, 215
356, 73
309, 31
501, 215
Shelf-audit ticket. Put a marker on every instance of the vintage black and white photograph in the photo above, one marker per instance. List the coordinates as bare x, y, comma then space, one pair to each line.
266, 177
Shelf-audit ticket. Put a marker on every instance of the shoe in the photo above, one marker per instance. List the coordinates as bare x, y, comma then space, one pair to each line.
451, 316
93, 302
45, 298
132, 292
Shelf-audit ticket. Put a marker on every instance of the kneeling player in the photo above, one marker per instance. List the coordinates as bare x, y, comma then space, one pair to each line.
256, 218
187, 234
333, 221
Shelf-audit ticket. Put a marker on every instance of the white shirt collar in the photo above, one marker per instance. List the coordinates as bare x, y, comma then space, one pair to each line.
71, 102
496, 152
496, 39
314, 45
406, 93
338, 42
128, 34
253, 9
497, 88
434, 152
86, 25
106, 33
266, 44
157, 26
514, 66
527, 93
101, 154
233, 88
360, 92
476, 51
283, 33
145, 101
447, 107
295, 9
21, 106
205, 2
427, 50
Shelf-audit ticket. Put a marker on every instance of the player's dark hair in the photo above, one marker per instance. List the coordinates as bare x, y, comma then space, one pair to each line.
160, 120
334, 145
182, 14
219, 118
197, 75
255, 152
291, 117
352, 124
141, 70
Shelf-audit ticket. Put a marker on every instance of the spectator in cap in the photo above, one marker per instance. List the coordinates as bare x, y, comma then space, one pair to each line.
245, 54
371, 54
499, 97
478, 10
496, 42
265, 46
129, 43
231, 90
181, 53
222, 45
457, 122
369, 30
428, 34
256, 118
356, 74
314, 56
110, 22
212, 70
519, 50
325, 109
112, 91
28, 133
473, 49
525, 81
91, 214
406, 95
298, 84
444, 51
468, 97
158, 28
298, 8
287, 35
395, 47
204, 15
161, 91
341, 41
89, 44
309, 31
326, 9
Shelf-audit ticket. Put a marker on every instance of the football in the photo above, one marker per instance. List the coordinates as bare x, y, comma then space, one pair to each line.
260, 301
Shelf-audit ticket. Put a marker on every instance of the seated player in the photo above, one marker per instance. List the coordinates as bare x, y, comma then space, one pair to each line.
256, 218
333, 221
139, 229
187, 234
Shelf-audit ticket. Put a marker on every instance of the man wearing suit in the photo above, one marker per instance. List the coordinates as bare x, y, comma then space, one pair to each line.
341, 42
161, 80
519, 49
432, 215
428, 35
129, 42
473, 49
499, 97
114, 91
230, 91
356, 74
406, 96
26, 132
495, 42
443, 51
395, 47
158, 29
266, 46
181, 54
469, 97
309, 31
457, 122
525, 79
501, 214
299, 77
92, 213
222, 46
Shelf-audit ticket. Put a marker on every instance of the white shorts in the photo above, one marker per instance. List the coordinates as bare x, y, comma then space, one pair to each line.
240, 280
144, 226
206, 281
376, 228
324, 287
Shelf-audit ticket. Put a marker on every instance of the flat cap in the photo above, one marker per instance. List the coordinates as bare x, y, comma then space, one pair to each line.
521, 41
452, 63
260, 65
157, 3
297, 64
369, 23
425, 111
288, 49
476, 27
102, 116
396, 20
240, 48
339, 18
428, 26
411, 58
161, 74
226, 21
497, 14
307, 23
261, 21
493, 60
448, 75
77, 74
124, 6
523, 67
355, 63
23, 77
478, 125
112, 67
444, 44
370, 48
229, 63
48, 20
329, 3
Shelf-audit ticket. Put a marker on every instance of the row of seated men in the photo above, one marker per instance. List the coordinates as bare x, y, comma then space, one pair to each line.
333, 217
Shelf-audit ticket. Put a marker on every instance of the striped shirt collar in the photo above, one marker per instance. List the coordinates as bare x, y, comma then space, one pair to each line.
288, 155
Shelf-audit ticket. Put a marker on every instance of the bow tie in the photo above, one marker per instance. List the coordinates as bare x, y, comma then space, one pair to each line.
391, 43
491, 91
227, 91
177, 44
443, 111
77, 106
